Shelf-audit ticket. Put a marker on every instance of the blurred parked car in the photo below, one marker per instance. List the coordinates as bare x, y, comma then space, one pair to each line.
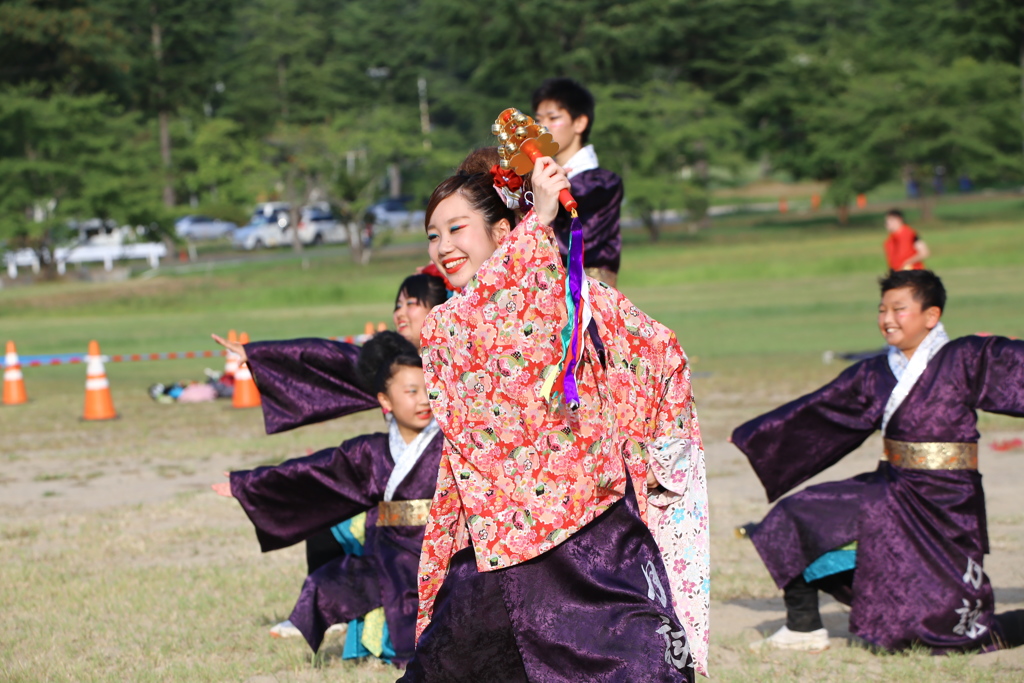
392, 213
268, 227
203, 228
319, 225
100, 232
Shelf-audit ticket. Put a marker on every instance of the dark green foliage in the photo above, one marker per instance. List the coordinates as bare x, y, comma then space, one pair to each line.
69, 156
126, 108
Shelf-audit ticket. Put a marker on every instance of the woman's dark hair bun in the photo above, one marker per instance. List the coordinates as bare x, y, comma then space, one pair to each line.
479, 161
473, 180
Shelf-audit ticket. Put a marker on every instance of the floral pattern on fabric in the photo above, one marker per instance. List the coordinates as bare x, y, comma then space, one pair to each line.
678, 518
521, 474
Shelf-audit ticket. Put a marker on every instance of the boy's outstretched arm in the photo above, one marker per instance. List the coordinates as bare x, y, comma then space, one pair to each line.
998, 378
794, 442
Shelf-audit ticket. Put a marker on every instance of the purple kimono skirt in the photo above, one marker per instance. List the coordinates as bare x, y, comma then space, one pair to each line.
921, 534
594, 608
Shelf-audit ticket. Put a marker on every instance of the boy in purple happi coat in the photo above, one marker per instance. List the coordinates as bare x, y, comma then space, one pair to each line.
310, 380
566, 108
388, 477
904, 545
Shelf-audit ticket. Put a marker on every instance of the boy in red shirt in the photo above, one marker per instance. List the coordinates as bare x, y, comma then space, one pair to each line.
903, 248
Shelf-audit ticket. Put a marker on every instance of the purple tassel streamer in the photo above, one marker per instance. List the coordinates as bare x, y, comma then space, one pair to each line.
575, 277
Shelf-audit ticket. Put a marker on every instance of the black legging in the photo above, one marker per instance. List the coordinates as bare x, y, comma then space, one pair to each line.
801, 600
802, 613
321, 549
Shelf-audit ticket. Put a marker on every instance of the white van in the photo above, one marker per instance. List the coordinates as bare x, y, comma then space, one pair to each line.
319, 225
268, 227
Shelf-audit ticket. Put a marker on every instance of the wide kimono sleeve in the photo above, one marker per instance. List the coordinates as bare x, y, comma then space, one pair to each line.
306, 381
793, 443
997, 381
290, 502
678, 510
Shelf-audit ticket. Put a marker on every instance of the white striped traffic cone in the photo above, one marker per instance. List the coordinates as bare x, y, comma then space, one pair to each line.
246, 394
98, 403
14, 381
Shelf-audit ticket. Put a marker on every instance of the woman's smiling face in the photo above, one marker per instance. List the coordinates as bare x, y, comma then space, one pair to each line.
409, 315
458, 239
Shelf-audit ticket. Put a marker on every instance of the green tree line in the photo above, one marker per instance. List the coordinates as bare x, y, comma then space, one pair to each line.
144, 110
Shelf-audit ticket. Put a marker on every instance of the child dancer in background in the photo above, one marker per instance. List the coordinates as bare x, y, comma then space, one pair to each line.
566, 108
389, 477
307, 381
538, 563
904, 545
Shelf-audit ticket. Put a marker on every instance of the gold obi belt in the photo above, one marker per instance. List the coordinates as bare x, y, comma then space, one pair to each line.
403, 512
934, 455
603, 274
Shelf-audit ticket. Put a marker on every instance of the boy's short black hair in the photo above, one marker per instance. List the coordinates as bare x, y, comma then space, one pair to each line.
381, 357
926, 286
896, 213
570, 96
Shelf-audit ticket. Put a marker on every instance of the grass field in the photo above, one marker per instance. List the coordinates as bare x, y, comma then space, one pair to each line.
119, 564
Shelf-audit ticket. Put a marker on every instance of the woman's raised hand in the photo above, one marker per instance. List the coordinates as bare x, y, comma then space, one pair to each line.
234, 347
548, 180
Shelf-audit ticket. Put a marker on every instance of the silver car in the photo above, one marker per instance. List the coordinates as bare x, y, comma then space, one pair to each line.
203, 228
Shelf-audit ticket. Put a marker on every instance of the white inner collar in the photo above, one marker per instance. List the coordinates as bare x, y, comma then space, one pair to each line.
907, 372
583, 160
405, 455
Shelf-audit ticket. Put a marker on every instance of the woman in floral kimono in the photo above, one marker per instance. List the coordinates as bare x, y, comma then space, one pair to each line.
564, 543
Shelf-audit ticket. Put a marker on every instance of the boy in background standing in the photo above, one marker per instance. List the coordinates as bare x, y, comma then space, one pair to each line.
904, 250
566, 108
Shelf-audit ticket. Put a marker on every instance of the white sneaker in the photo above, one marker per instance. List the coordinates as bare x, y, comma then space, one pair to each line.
337, 628
784, 639
285, 629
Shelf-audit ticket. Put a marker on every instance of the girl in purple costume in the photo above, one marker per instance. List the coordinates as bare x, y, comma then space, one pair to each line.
306, 381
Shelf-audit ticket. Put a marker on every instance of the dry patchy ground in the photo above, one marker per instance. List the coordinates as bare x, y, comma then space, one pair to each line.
118, 563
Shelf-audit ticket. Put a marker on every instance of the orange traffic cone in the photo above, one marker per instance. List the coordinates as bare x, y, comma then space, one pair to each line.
98, 403
246, 393
14, 382
231, 359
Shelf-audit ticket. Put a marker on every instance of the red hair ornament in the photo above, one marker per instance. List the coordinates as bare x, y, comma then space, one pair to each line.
509, 186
